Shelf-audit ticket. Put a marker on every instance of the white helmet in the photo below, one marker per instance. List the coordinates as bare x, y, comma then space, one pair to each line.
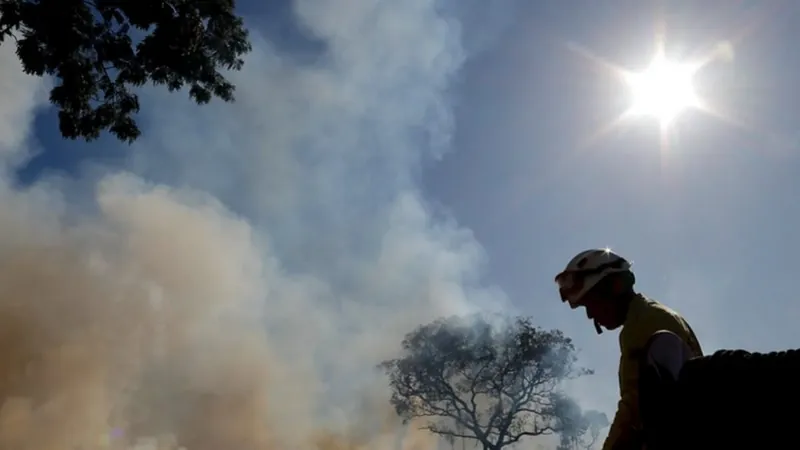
585, 270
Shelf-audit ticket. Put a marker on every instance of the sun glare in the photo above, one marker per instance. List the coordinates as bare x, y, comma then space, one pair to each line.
664, 90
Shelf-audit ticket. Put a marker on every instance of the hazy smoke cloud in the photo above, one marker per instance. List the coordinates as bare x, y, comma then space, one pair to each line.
235, 283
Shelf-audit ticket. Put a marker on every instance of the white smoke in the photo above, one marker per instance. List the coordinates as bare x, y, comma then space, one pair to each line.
235, 282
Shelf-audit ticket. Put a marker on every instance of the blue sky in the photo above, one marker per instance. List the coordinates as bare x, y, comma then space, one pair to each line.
708, 222
389, 162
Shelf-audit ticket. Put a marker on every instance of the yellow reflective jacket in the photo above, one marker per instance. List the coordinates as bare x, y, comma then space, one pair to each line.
645, 317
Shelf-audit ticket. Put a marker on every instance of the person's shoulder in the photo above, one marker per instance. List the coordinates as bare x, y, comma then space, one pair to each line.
650, 316
655, 307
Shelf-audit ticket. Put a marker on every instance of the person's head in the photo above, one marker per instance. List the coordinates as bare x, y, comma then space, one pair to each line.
602, 282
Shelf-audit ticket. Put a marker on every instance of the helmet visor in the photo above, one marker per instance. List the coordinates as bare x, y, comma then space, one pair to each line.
570, 286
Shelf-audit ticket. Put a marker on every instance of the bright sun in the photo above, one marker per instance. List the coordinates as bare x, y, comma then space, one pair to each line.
664, 90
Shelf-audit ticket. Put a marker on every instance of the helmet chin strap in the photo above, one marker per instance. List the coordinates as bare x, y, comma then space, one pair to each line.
598, 327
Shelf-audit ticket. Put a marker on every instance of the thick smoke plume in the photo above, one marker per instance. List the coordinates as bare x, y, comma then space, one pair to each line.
233, 284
